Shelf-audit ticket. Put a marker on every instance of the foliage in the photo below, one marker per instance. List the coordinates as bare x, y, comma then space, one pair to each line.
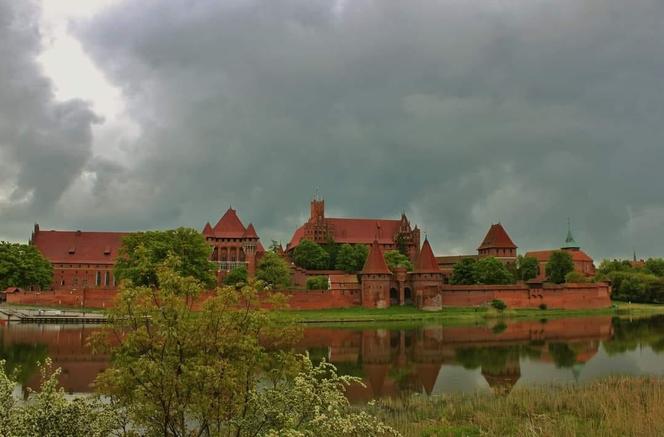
463, 272
491, 271
634, 283
238, 275
498, 304
311, 256
560, 264
351, 259
401, 243
274, 270
527, 268
604, 407
22, 265
275, 246
47, 412
394, 259
141, 253
655, 266
332, 249
177, 372
575, 277
317, 283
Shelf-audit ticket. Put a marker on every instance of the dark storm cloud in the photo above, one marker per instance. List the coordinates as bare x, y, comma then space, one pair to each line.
43, 144
461, 113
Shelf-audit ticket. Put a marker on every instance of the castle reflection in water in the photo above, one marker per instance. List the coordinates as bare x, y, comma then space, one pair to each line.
429, 359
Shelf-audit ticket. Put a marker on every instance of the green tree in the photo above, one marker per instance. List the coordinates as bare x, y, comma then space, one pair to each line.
655, 266
609, 266
49, 413
317, 283
394, 259
351, 259
141, 253
311, 256
463, 272
491, 271
560, 264
273, 270
238, 275
527, 268
178, 373
22, 265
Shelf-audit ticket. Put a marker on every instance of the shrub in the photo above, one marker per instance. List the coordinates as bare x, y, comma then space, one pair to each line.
576, 278
542, 306
317, 283
498, 304
236, 276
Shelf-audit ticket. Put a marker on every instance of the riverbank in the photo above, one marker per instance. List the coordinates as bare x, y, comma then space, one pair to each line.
617, 406
456, 315
407, 314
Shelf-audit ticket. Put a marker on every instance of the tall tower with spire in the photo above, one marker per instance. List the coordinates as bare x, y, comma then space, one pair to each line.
570, 242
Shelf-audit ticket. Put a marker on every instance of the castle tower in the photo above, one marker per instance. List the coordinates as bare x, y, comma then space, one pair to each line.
376, 278
497, 243
426, 276
249, 243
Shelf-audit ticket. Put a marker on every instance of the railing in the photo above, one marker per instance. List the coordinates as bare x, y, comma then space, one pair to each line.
229, 265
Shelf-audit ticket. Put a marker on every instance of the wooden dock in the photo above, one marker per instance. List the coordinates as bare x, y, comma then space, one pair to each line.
51, 316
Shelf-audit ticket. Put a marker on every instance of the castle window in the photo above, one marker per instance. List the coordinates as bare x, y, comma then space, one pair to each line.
107, 279
97, 279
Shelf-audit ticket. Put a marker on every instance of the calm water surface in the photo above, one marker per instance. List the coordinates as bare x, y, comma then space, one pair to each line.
428, 359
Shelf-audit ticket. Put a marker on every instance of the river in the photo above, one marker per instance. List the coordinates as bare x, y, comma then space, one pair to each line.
398, 360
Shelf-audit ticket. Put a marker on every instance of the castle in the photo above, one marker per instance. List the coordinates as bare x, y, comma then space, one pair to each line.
85, 260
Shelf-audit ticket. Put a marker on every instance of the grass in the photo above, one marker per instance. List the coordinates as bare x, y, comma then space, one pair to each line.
617, 406
359, 315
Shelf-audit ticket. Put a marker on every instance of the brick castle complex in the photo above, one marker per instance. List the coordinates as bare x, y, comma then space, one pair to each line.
83, 263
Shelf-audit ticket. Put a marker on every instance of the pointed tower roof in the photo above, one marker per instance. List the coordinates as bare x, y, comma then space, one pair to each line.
497, 237
251, 232
426, 261
207, 230
229, 225
570, 242
375, 262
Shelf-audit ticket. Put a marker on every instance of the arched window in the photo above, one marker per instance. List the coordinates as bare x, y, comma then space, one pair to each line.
97, 279
107, 279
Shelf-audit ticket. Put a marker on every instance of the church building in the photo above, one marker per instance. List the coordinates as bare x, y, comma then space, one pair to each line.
388, 234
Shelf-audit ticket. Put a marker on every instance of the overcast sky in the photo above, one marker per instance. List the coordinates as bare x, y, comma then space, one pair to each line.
133, 115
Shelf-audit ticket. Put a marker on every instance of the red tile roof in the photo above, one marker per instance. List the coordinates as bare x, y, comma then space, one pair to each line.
426, 262
229, 226
207, 230
497, 238
78, 246
250, 232
375, 262
544, 255
355, 231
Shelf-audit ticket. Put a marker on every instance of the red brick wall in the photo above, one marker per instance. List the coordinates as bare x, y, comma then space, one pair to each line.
95, 298
564, 296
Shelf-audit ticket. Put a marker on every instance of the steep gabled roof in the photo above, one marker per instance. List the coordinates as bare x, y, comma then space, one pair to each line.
229, 226
78, 246
375, 263
544, 255
207, 230
497, 238
355, 231
426, 261
250, 232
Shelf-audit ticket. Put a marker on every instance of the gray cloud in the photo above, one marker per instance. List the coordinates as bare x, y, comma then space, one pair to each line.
44, 145
461, 113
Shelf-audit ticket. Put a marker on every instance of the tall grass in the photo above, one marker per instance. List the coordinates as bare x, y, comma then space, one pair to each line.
618, 406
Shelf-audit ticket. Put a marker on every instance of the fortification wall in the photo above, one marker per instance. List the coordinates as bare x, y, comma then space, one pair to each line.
565, 296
